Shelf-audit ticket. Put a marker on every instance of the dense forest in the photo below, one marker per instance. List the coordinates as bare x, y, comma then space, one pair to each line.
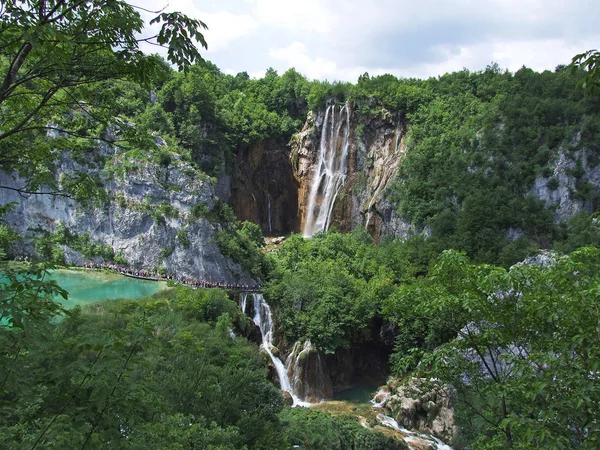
498, 297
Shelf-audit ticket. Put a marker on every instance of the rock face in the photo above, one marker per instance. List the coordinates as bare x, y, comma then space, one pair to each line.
148, 218
263, 188
421, 405
376, 149
571, 172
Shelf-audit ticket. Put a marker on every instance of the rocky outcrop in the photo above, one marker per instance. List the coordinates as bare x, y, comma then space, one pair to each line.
264, 189
153, 216
567, 190
421, 405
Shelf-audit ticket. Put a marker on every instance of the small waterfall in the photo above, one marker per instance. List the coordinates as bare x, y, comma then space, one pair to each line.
413, 439
269, 211
243, 299
381, 398
263, 319
330, 170
307, 372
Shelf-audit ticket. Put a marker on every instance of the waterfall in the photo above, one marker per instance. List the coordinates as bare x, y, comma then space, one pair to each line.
263, 319
330, 170
269, 210
380, 398
307, 372
413, 439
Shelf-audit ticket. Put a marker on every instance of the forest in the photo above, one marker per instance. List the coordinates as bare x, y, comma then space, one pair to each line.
499, 300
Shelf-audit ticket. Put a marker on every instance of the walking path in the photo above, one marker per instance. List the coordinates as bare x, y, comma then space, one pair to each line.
146, 274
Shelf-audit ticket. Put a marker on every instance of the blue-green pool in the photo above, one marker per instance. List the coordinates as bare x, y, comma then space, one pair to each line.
94, 286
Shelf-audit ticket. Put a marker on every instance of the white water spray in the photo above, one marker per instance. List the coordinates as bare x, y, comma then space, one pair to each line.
380, 398
263, 319
412, 438
330, 170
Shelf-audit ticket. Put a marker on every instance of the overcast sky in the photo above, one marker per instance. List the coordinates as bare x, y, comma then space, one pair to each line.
341, 39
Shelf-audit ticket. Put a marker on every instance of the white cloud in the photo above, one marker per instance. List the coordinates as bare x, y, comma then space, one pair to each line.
305, 16
540, 55
341, 39
226, 28
295, 55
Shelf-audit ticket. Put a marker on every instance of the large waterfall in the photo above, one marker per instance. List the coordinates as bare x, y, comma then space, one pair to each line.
262, 318
330, 170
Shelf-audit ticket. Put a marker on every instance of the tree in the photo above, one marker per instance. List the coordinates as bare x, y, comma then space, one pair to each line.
525, 359
53, 53
590, 62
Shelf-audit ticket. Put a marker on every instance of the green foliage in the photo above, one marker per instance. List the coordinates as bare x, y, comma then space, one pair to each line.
329, 289
7, 238
48, 249
55, 57
142, 374
80, 242
522, 347
241, 249
582, 229
182, 237
253, 233
590, 62
309, 428
476, 143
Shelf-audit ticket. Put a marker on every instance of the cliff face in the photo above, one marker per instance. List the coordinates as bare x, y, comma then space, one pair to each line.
375, 151
263, 188
148, 218
572, 173
376, 146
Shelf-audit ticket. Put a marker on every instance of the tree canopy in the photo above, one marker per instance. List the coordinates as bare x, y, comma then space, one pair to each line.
53, 53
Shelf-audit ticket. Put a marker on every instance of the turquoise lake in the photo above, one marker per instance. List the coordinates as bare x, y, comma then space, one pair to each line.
94, 286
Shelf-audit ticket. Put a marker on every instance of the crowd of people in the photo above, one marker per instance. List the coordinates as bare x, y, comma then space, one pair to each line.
166, 276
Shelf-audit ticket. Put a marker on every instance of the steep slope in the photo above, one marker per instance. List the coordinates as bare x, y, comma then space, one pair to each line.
154, 216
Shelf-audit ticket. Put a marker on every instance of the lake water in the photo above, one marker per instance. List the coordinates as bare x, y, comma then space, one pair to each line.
94, 286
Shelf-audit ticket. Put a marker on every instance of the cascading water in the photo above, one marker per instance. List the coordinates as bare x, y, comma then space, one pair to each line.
330, 170
413, 439
263, 319
306, 372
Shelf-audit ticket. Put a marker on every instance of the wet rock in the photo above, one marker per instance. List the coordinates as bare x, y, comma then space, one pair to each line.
264, 189
308, 373
287, 398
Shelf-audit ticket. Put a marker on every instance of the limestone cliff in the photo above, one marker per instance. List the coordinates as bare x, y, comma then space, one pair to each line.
155, 216
263, 187
573, 175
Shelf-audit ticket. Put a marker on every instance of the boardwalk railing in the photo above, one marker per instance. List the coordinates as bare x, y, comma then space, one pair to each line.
145, 274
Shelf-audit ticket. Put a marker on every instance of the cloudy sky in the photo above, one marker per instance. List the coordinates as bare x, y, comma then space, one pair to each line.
341, 39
